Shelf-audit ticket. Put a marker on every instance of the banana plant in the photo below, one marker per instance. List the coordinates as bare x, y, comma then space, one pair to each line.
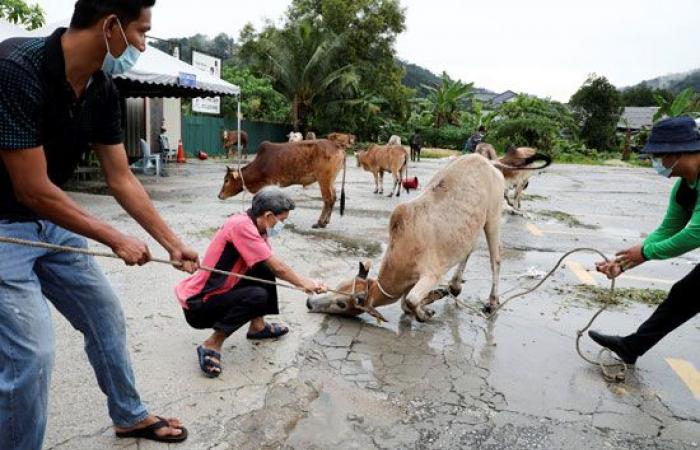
683, 103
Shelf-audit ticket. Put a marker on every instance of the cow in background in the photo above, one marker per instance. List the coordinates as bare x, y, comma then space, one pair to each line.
231, 139
379, 159
394, 140
286, 164
295, 137
310, 136
342, 140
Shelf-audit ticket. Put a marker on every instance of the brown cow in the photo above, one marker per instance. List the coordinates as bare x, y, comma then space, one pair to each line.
342, 140
487, 151
428, 236
379, 159
291, 163
517, 166
231, 143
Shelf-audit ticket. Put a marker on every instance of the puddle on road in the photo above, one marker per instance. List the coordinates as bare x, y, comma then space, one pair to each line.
345, 245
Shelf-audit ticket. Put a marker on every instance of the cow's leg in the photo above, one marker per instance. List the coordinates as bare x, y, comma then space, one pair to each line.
456, 281
394, 180
417, 297
328, 195
381, 181
376, 182
493, 239
418, 155
518, 194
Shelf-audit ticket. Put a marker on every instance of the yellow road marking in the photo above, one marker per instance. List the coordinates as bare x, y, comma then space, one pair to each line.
583, 276
534, 230
687, 372
639, 278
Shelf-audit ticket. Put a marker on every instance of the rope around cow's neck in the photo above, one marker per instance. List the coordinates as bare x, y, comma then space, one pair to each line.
618, 376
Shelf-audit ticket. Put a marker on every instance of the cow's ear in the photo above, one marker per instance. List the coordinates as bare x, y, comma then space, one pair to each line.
364, 269
228, 169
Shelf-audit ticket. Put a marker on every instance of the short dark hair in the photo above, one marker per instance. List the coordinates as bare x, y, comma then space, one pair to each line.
88, 12
271, 199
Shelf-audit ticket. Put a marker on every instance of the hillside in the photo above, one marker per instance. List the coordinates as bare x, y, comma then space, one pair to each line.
677, 82
416, 76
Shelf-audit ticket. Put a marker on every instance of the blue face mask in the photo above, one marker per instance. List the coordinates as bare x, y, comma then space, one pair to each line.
276, 229
124, 63
658, 165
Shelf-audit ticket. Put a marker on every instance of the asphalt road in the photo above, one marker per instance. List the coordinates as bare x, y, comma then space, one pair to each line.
458, 381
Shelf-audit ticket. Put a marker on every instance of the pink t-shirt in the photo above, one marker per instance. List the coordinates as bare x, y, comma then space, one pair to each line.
236, 247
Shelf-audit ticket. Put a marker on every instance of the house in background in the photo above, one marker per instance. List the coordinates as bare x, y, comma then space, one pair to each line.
505, 97
637, 118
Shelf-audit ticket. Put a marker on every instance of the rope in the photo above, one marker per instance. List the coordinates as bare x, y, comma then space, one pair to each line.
608, 369
85, 251
609, 374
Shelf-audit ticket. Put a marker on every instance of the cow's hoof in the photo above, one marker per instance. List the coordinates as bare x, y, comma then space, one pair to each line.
375, 192
488, 308
455, 290
317, 226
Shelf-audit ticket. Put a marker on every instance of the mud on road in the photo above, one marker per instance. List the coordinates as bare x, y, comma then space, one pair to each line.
349, 383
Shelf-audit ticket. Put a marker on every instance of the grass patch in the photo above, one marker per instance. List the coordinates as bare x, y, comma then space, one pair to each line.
534, 197
600, 159
435, 153
206, 233
567, 219
621, 296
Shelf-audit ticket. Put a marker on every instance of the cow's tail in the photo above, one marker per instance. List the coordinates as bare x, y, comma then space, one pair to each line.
342, 187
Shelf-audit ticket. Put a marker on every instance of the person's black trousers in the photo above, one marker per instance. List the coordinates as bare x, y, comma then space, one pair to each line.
682, 304
231, 310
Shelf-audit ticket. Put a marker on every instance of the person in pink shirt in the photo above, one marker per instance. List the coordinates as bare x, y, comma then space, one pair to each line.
226, 303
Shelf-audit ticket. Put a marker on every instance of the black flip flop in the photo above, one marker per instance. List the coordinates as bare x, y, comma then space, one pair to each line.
149, 433
206, 364
270, 331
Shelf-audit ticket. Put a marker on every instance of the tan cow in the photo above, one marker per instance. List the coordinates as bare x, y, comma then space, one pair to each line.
287, 164
310, 136
428, 236
379, 159
487, 151
522, 158
231, 142
342, 140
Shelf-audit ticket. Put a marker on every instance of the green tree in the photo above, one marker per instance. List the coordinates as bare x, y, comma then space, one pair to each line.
445, 100
21, 13
259, 100
597, 106
643, 95
683, 103
532, 122
299, 59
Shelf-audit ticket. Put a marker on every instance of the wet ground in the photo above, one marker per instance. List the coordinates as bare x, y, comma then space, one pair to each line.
459, 381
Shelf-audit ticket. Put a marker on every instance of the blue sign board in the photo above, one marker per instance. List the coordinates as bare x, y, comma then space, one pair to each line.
187, 80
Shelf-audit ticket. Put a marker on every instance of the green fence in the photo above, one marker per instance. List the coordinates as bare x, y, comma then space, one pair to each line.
206, 133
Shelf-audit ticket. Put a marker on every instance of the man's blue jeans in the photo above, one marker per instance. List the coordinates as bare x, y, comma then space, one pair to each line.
75, 285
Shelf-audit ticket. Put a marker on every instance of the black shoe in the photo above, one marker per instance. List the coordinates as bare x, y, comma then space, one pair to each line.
614, 344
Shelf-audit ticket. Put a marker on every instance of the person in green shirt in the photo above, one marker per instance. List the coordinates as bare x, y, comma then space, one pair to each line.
674, 145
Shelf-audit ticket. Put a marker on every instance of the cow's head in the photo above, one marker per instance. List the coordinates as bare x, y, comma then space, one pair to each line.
233, 184
358, 157
224, 134
354, 300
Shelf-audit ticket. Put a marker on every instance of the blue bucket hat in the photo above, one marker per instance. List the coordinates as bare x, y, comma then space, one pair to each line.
673, 136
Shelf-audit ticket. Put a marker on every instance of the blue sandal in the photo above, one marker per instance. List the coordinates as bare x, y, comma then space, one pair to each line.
271, 331
207, 364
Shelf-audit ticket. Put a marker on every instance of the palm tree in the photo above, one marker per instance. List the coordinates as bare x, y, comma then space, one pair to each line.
445, 100
300, 59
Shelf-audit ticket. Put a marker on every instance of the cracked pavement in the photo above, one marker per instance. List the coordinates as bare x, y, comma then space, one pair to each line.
458, 381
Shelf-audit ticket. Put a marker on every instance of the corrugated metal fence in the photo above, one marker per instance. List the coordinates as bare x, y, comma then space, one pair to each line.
206, 133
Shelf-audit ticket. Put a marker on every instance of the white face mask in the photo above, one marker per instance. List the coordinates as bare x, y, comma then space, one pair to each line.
276, 229
658, 165
124, 63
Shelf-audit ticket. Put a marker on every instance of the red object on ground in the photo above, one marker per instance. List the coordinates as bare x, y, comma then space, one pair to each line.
202, 155
410, 183
180, 153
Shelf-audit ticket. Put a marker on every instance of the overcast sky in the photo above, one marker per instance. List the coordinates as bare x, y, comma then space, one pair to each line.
542, 47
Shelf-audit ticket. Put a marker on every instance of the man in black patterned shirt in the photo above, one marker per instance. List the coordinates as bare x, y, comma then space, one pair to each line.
57, 102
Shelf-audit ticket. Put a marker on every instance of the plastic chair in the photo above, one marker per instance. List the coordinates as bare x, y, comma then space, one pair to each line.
166, 150
148, 161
